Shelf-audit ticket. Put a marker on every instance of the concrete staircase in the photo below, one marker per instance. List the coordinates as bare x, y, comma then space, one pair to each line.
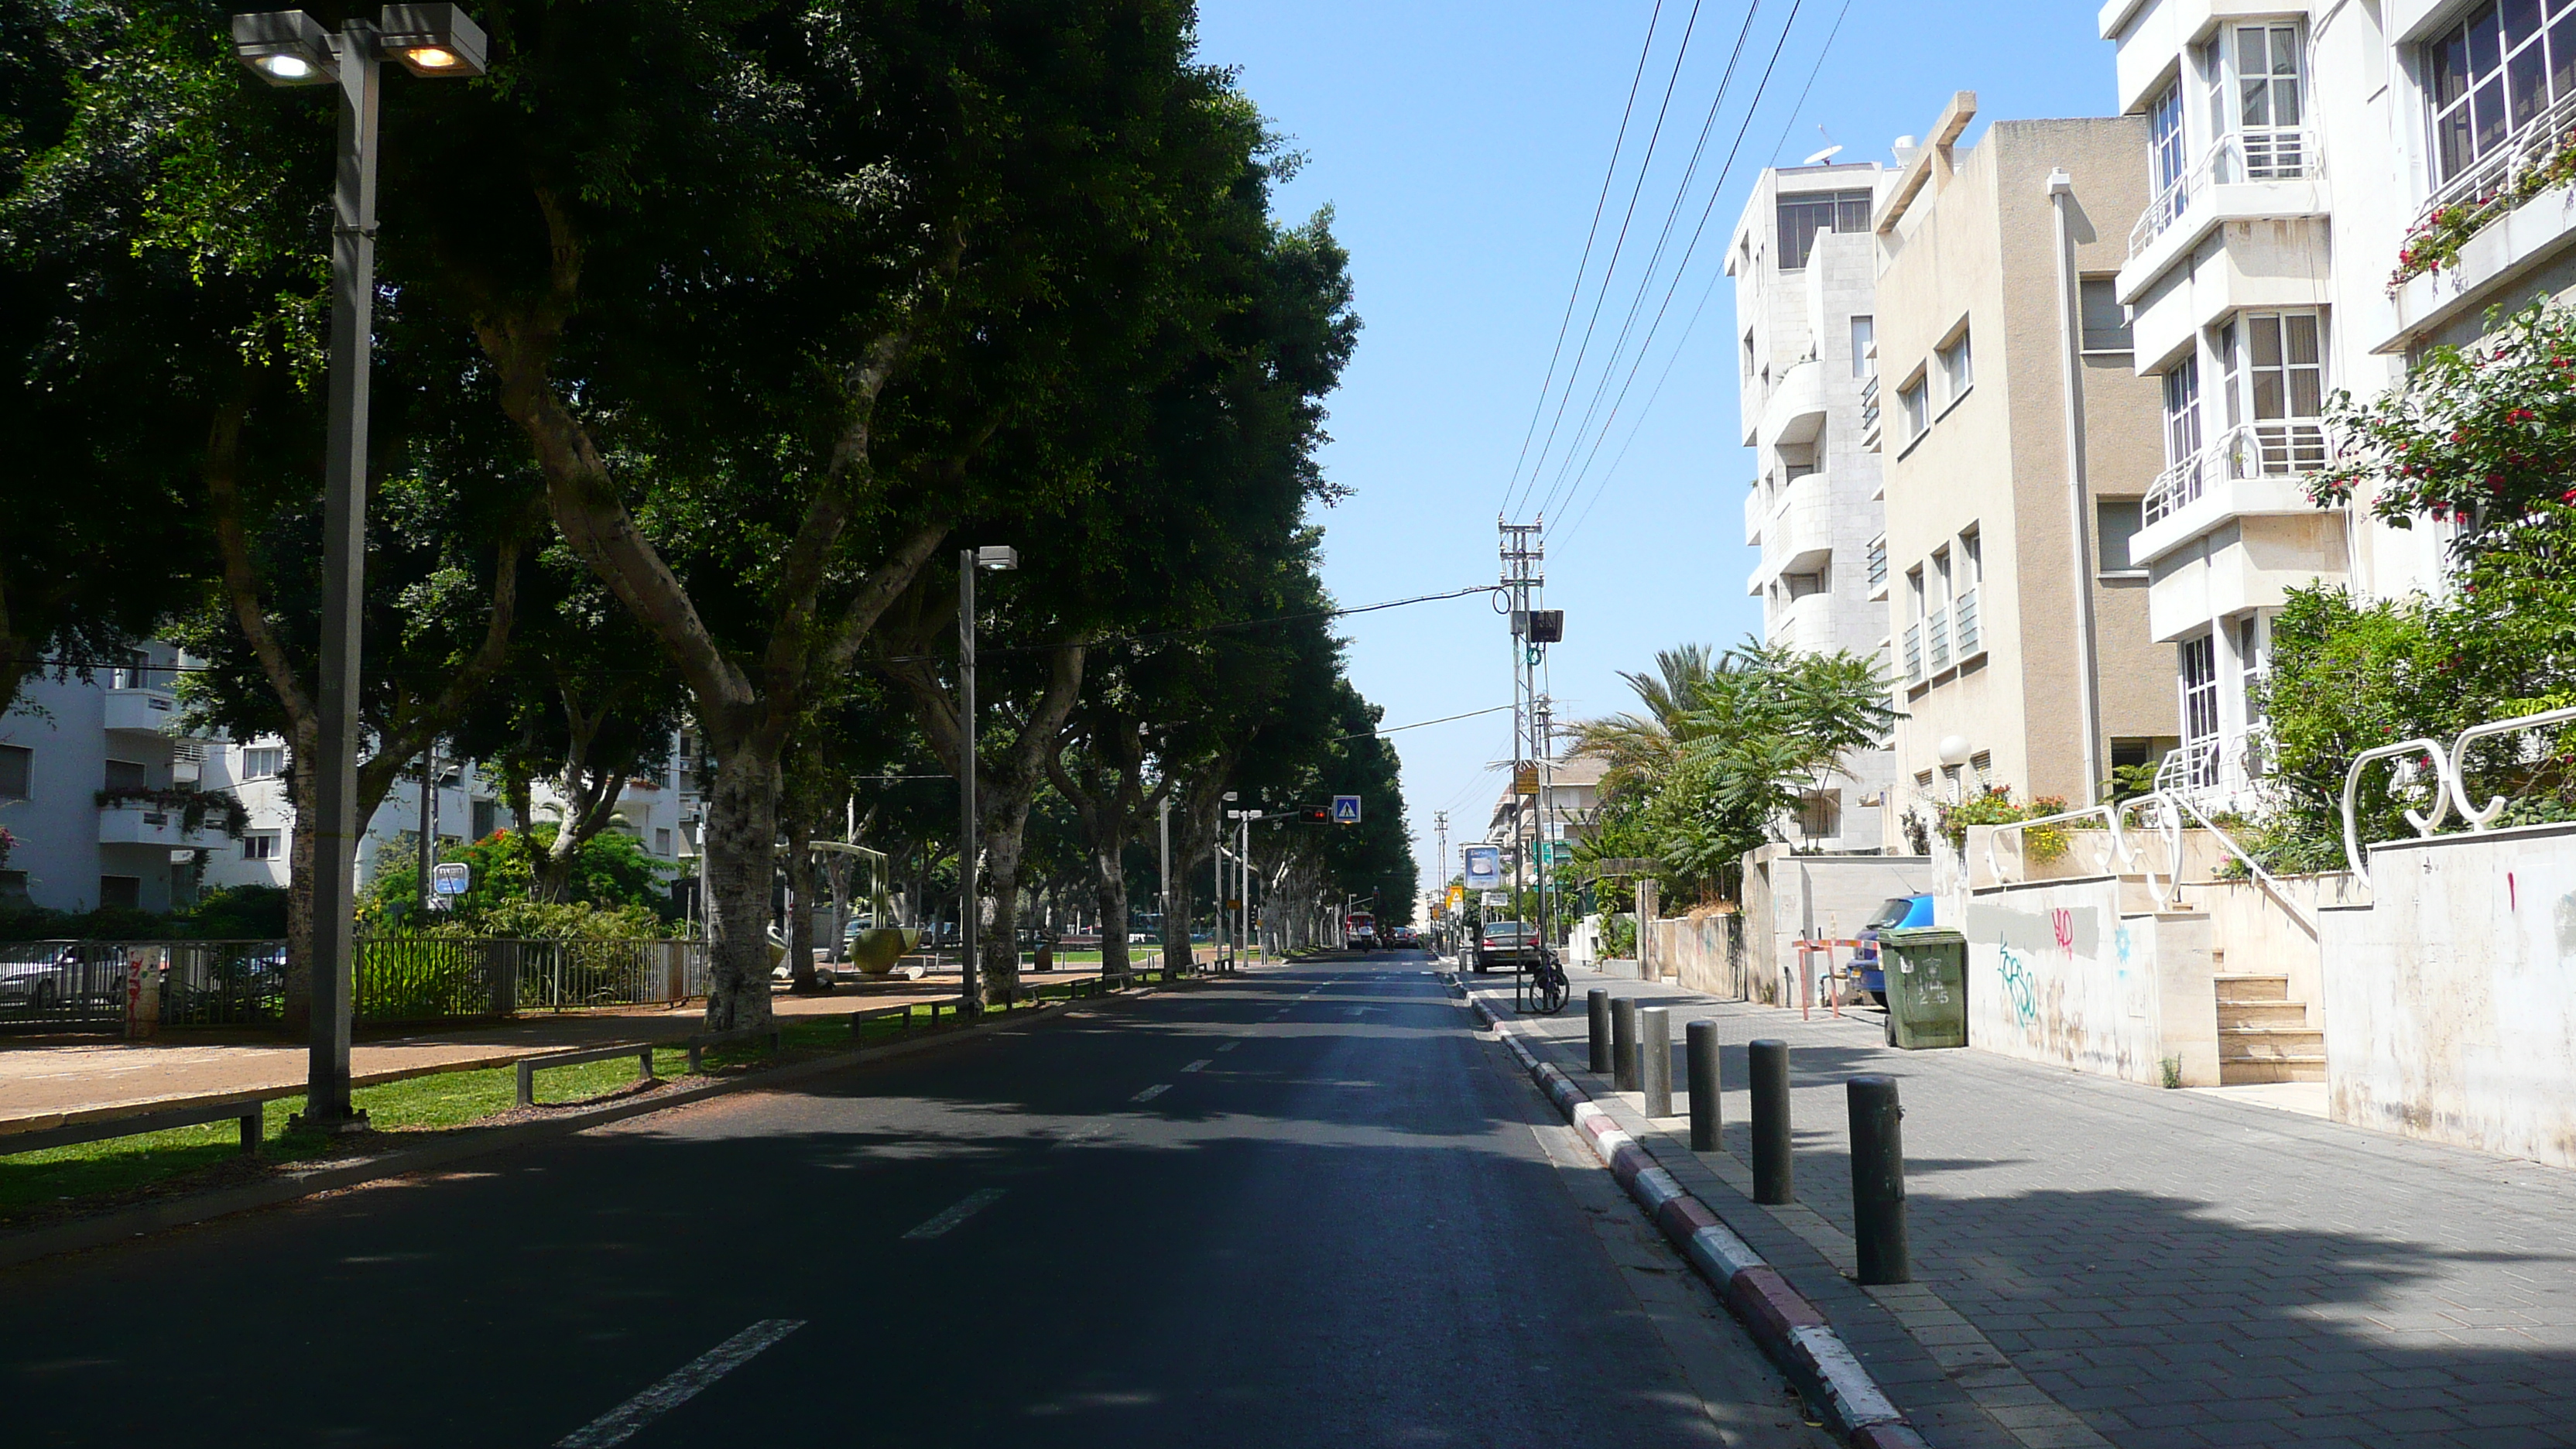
2263, 1035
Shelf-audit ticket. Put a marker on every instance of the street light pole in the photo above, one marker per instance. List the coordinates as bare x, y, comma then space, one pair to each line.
970, 914
1163, 827
290, 48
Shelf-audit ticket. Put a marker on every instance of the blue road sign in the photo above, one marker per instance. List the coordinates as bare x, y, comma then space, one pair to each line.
1346, 810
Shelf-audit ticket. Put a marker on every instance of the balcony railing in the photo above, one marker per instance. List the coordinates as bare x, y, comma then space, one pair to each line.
2238, 156
1914, 653
2256, 450
2488, 182
1869, 407
1877, 562
1938, 627
1964, 621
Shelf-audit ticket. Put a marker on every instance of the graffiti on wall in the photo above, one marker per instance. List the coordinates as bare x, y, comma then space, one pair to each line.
2018, 988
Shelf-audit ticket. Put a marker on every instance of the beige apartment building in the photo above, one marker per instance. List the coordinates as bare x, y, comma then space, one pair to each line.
1995, 599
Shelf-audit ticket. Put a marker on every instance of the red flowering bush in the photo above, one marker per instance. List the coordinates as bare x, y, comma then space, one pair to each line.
2480, 435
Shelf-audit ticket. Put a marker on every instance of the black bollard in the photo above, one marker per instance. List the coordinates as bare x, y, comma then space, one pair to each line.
1878, 1181
1702, 1054
1623, 1044
1655, 1059
1769, 1061
1596, 1004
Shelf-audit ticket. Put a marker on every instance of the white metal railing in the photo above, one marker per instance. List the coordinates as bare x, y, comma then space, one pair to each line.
1878, 561
1914, 653
1937, 628
2162, 814
2239, 156
2490, 176
1964, 625
1869, 405
2276, 449
2450, 781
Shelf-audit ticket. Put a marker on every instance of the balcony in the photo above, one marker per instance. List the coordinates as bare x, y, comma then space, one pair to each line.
1756, 509
1805, 624
1795, 410
1878, 569
2256, 471
1963, 622
142, 711
1914, 654
1798, 538
135, 823
1869, 428
2509, 221
1937, 633
2243, 176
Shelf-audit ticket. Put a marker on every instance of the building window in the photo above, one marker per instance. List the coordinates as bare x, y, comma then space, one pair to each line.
2280, 365
2269, 106
661, 840
17, 771
1820, 814
125, 775
1748, 355
122, 891
2106, 322
134, 672
1864, 338
1916, 398
1958, 371
2166, 158
1981, 768
487, 818
2116, 524
260, 845
2199, 691
1801, 585
1801, 217
2249, 666
2182, 412
2492, 76
265, 762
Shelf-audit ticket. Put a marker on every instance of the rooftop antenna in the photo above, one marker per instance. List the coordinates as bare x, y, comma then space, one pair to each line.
1827, 154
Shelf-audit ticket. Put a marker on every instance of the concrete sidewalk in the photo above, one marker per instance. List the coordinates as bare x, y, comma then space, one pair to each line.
2100, 1263
45, 1079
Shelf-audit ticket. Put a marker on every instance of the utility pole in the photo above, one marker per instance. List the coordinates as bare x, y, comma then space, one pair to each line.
1163, 825
1440, 876
1524, 551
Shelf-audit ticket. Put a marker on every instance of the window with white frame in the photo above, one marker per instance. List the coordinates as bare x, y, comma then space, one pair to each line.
1958, 369
2265, 94
263, 762
1864, 340
2273, 364
2493, 76
1916, 399
2167, 159
2182, 411
259, 845
2200, 707
1802, 216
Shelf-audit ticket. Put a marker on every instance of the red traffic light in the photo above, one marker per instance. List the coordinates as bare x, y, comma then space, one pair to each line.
1314, 815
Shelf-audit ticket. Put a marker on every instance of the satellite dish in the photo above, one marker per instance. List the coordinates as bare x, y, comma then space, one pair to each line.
1821, 157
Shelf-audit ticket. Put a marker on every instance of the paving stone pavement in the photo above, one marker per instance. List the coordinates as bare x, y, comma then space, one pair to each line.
2098, 1262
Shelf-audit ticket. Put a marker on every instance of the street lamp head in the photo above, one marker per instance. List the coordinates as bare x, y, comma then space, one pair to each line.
999, 557
285, 48
1229, 794
433, 41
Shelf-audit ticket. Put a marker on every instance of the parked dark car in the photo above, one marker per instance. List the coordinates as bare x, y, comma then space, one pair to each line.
1896, 913
60, 979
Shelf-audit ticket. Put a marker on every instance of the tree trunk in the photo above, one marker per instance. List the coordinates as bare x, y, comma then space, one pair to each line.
1109, 889
300, 859
800, 902
742, 839
997, 951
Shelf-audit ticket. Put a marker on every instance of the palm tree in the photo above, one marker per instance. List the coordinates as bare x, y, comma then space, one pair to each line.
1640, 748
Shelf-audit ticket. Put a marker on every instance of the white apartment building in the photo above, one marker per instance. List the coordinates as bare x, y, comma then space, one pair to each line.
94, 787
659, 810
2292, 149
1805, 267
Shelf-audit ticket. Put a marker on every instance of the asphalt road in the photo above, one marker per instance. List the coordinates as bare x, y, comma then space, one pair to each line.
1305, 1207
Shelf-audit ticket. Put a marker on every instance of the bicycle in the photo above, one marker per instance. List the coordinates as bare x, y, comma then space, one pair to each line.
1546, 982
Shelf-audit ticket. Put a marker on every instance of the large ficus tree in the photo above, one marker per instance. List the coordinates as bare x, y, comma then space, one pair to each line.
761, 285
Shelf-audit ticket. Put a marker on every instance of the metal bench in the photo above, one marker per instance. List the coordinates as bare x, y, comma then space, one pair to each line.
698, 1044
75, 1134
530, 1066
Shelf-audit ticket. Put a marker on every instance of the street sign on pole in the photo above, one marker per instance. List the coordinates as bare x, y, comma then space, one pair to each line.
448, 881
1346, 810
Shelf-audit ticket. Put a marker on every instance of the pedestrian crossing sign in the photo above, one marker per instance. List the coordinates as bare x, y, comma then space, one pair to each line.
1346, 810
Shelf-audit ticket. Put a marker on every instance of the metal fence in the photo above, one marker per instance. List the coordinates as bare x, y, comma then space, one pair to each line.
61, 985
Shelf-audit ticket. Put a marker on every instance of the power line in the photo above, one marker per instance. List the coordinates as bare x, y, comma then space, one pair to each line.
1420, 723
1697, 233
1646, 283
1574, 294
1607, 272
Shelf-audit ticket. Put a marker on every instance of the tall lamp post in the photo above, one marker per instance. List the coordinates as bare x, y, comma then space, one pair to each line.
290, 48
1001, 558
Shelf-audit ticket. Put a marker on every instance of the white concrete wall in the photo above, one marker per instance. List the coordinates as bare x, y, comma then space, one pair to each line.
1789, 898
1696, 951
2057, 974
2449, 1014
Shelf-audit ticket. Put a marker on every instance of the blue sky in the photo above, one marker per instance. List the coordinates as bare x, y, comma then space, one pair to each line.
1462, 148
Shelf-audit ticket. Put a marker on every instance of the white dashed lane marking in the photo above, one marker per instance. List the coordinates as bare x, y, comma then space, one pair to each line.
1150, 1093
974, 1202
1196, 1065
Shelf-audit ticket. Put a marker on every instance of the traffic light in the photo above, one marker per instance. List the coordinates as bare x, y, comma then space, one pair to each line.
1314, 815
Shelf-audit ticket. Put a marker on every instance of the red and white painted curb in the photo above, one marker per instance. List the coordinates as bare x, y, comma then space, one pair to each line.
1779, 1317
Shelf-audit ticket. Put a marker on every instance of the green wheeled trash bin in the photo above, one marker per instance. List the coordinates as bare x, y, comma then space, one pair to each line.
1927, 987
